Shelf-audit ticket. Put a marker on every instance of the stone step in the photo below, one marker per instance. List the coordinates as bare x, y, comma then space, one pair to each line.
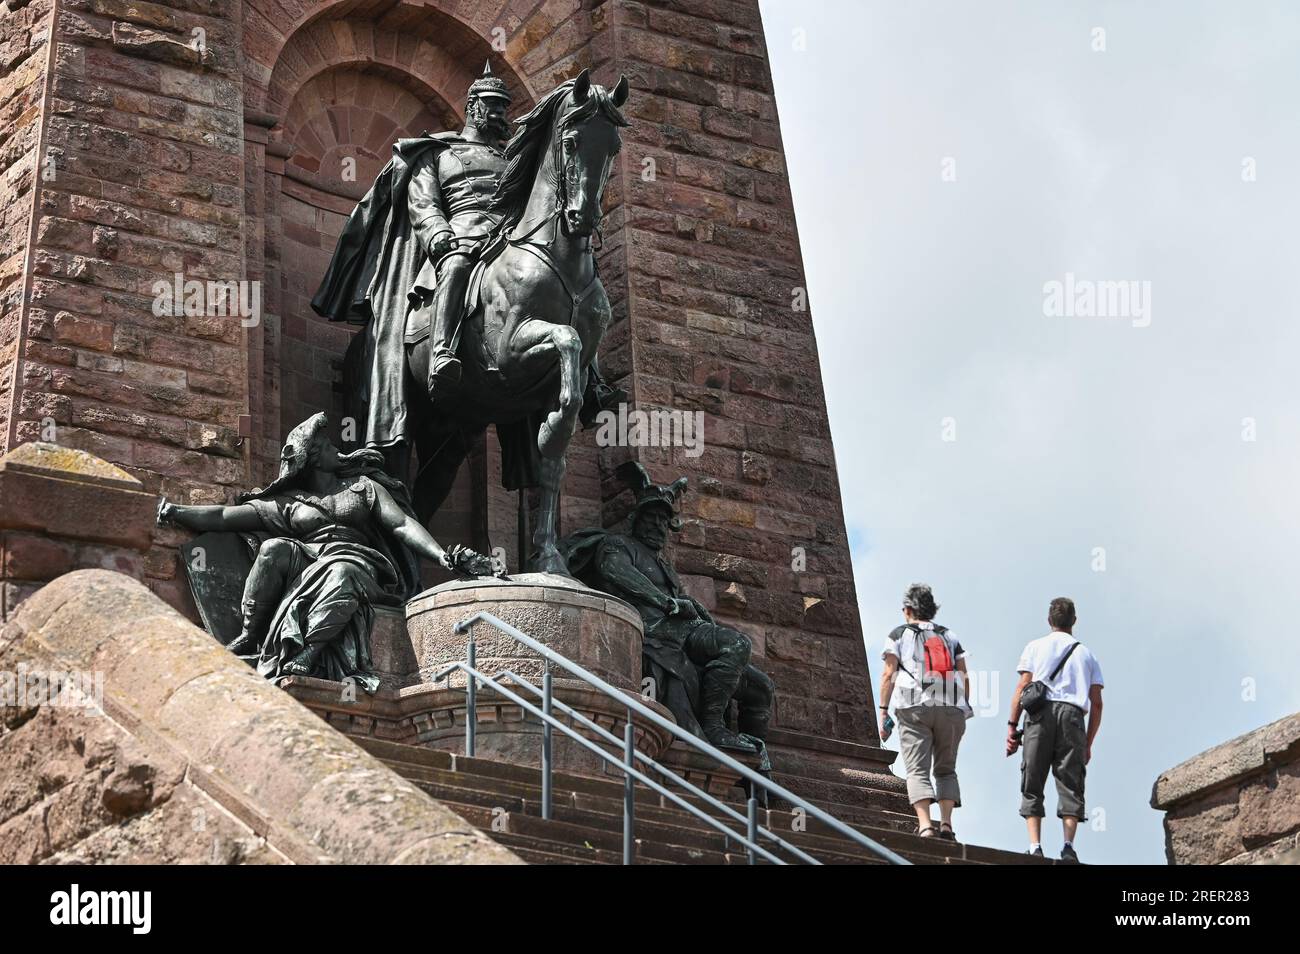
683, 830
691, 833
845, 797
587, 817
648, 849
672, 825
516, 796
544, 851
400, 755
417, 754
536, 856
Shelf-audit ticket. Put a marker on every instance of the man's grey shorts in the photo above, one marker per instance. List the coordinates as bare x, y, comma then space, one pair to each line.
1057, 742
928, 737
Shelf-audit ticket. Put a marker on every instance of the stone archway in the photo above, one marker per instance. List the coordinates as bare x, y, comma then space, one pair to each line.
336, 133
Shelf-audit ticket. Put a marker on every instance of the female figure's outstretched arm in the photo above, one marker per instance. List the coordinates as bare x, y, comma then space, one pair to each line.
413, 534
240, 517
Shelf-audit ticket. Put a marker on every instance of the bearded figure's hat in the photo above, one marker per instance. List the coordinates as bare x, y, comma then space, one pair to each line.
489, 86
650, 494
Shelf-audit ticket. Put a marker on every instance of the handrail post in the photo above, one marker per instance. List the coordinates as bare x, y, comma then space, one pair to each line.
546, 742
629, 753
751, 830
471, 697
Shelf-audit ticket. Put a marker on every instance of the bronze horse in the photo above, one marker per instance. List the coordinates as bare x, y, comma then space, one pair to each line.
536, 311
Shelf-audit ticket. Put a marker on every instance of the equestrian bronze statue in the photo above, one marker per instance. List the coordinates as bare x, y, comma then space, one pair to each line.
482, 310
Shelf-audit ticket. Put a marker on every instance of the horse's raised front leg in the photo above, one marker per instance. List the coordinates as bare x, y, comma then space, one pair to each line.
546, 556
537, 347
556, 431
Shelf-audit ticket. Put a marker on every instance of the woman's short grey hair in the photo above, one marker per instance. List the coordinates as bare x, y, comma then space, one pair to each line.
919, 601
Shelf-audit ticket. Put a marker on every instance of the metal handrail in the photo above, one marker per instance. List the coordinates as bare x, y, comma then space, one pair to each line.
620, 763
631, 756
651, 763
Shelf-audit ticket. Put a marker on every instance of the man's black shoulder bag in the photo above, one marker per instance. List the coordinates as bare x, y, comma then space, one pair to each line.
1034, 696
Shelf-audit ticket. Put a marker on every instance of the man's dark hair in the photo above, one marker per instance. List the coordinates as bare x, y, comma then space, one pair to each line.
1061, 613
920, 601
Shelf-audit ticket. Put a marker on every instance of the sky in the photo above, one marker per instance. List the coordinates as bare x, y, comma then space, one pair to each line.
949, 161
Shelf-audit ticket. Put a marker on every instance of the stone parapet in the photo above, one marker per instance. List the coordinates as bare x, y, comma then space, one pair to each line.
188, 750
1237, 803
63, 510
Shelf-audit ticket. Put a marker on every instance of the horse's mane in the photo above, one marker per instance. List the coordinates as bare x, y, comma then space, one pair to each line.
527, 147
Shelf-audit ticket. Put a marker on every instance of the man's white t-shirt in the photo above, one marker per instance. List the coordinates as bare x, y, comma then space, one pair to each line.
1079, 674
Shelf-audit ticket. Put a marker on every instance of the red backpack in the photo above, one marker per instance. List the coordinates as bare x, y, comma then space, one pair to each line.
939, 661
936, 656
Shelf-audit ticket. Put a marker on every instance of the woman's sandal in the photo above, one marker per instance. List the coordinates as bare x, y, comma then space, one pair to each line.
946, 832
927, 832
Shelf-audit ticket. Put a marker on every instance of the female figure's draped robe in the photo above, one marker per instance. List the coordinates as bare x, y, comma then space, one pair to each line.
341, 563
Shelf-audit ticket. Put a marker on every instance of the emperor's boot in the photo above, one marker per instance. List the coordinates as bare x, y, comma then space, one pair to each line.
754, 721
754, 714
717, 686
448, 303
256, 617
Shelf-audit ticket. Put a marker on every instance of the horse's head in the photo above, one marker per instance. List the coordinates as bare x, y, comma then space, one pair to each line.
585, 141
559, 159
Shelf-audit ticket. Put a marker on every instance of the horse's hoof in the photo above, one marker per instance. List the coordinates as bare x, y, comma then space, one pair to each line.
555, 433
550, 561
548, 437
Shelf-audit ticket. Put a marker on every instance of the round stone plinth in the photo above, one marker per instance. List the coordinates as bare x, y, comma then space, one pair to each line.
595, 630
598, 632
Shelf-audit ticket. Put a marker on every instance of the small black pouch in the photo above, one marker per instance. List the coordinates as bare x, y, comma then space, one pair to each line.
1033, 698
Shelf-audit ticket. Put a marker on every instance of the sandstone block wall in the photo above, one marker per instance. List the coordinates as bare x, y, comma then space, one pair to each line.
24, 54
64, 510
1237, 803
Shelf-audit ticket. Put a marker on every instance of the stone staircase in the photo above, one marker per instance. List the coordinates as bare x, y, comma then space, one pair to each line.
503, 800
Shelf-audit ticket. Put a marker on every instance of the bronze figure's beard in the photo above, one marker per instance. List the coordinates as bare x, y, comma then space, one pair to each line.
494, 129
654, 540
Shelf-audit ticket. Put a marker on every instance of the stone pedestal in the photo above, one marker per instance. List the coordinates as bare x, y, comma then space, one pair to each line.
600, 633
700, 769
595, 630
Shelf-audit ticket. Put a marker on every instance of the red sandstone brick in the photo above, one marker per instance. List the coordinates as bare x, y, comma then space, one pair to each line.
27, 556
84, 332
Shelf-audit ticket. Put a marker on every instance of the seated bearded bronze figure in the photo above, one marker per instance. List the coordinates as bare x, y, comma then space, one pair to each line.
334, 537
699, 666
